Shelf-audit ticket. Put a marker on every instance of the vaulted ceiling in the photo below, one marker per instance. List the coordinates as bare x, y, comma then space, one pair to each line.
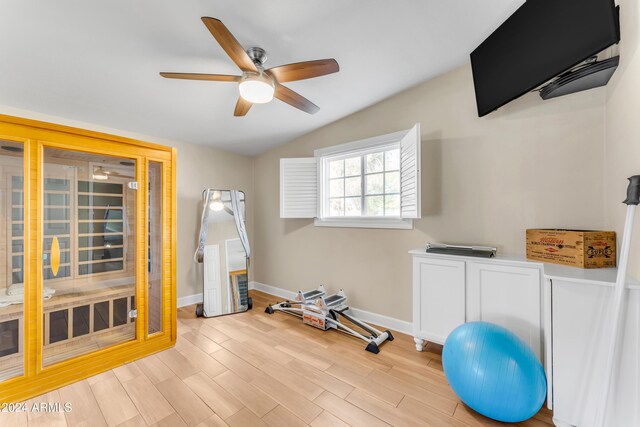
98, 61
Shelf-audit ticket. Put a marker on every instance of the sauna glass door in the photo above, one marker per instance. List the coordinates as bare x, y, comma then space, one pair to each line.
89, 252
11, 259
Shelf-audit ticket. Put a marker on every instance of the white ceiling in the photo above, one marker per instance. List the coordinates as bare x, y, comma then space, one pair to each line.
98, 61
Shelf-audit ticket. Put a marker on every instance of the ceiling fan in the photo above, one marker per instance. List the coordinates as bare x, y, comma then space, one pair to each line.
100, 173
258, 85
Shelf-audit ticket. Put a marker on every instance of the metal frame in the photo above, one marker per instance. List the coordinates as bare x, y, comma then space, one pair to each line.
327, 310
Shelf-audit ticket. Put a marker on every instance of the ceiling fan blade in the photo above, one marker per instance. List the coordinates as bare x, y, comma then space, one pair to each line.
196, 76
294, 99
119, 175
242, 107
229, 44
304, 70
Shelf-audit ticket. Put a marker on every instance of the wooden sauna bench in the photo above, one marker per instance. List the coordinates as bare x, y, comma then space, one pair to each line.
104, 321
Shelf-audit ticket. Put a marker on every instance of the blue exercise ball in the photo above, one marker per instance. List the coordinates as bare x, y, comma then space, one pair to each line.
494, 372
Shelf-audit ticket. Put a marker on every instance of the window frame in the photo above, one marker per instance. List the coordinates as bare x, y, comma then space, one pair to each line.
352, 149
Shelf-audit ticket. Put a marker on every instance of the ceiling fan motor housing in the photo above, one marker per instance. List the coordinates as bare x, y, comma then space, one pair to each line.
258, 55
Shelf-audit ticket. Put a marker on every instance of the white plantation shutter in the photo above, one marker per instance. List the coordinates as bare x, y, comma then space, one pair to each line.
298, 188
410, 205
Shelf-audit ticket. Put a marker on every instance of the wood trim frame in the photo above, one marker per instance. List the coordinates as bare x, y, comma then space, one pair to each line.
36, 135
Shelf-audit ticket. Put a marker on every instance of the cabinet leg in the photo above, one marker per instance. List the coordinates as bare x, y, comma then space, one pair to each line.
420, 343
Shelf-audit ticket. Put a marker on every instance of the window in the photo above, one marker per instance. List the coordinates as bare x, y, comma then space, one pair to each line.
362, 185
369, 183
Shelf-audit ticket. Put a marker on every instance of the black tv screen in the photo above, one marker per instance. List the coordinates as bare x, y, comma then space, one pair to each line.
542, 39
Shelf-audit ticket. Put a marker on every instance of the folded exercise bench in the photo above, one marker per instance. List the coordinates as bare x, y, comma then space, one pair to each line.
317, 309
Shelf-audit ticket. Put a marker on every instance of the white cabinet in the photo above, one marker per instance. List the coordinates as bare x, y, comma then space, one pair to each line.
506, 295
449, 291
565, 322
438, 298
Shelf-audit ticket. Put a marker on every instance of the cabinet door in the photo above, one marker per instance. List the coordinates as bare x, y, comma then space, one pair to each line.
508, 296
439, 300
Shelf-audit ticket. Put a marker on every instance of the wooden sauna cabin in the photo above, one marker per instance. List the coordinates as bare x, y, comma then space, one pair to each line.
87, 261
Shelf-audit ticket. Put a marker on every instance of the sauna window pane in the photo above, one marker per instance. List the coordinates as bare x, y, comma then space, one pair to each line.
56, 184
100, 254
91, 241
17, 230
100, 316
101, 227
99, 213
154, 249
12, 259
81, 320
58, 326
102, 267
91, 200
17, 197
119, 311
9, 337
56, 229
55, 199
99, 187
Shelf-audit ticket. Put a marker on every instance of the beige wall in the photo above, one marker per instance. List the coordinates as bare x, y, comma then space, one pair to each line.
198, 167
622, 143
484, 181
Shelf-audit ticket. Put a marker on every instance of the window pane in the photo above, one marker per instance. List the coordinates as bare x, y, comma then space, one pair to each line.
11, 244
375, 205
336, 207
353, 186
10, 334
353, 166
336, 188
58, 326
392, 160
154, 253
392, 205
336, 169
374, 162
81, 321
119, 311
353, 206
374, 184
100, 316
392, 182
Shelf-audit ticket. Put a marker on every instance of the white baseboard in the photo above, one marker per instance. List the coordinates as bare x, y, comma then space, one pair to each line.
377, 319
272, 290
190, 300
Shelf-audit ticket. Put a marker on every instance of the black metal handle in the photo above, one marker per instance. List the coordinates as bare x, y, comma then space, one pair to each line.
633, 191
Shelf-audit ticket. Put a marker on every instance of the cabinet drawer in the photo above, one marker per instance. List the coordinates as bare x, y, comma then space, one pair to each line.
439, 298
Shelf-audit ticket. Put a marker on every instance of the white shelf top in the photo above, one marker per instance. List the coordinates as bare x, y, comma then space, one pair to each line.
592, 276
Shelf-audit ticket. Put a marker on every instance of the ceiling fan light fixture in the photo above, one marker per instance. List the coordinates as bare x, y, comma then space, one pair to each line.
256, 88
216, 206
100, 174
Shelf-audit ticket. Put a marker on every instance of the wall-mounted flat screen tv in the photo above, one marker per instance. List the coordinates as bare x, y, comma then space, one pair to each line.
542, 39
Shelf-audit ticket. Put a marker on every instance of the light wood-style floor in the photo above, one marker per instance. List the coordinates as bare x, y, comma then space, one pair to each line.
255, 369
